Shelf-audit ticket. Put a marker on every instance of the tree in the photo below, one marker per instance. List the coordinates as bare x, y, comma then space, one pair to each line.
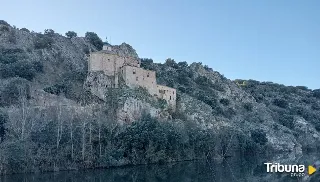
71, 34
183, 64
170, 62
259, 136
25, 30
49, 32
94, 39
2, 22
3, 120
280, 103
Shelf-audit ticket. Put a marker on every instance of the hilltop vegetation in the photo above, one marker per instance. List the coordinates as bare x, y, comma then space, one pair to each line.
49, 121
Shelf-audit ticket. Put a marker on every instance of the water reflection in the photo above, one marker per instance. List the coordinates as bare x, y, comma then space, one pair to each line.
232, 169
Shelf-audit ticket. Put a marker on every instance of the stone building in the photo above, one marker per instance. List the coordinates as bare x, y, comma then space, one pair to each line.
124, 69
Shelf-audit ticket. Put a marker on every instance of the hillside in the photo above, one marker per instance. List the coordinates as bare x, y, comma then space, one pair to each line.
49, 119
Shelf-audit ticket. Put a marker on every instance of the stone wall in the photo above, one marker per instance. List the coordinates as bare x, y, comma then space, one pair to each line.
110, 64
134, 77
117, 67
167, 93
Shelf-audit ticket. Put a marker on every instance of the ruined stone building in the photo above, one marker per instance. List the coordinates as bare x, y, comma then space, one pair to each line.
124, 69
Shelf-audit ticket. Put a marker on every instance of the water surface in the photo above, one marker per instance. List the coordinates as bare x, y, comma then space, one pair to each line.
232, 169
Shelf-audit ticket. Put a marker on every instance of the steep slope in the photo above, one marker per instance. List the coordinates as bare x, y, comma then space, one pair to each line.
213, 100
49, 120
296, 108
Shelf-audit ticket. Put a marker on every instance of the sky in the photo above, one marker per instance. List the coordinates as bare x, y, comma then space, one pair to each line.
264, 40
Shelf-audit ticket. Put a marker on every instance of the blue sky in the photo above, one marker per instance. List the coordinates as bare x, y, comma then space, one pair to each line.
265, 40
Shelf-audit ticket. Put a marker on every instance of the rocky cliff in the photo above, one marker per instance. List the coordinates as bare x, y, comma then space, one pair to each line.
51, 118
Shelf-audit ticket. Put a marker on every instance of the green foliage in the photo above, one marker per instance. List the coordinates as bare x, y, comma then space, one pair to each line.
259, 136
2, 22
208, 99
280, 103
4, 29
11, 55
12, 37
302, 88
316, 93
225, 102
286, 120
317, 126
3, 120
206, 67
183, 64
94, 39
171, 63
49, 32
315, 107
43, 41
86, 50
25, 30
23, 69
71, 34
248, 106
11, 92
147, 63
203, 81
56, 89
163, 103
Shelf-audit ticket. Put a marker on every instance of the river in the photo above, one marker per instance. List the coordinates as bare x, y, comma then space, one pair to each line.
232, 169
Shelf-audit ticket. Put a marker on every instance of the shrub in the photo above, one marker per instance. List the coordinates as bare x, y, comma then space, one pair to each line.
259, 136
25, 30
43, 42
3, 121
23, 69
12, 37
286, 120
315, 107
204, 81
12, 92
317, 126
94, 39
71, 34
49, 32
86, 50
4, 29
2, 22
182, 89
206, 67
248, 106
280, 103
147, 63
56, 89
208, 99
170, 62
183, 64
11, 55
316, 93
38, 66
225, 102
302, 88
162, 103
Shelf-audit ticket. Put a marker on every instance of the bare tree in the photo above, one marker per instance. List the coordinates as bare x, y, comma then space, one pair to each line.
23, 102
59, 126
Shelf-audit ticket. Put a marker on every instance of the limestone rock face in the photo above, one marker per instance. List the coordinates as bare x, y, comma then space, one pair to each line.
306, 134
125, 50
98, 83
132, 110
